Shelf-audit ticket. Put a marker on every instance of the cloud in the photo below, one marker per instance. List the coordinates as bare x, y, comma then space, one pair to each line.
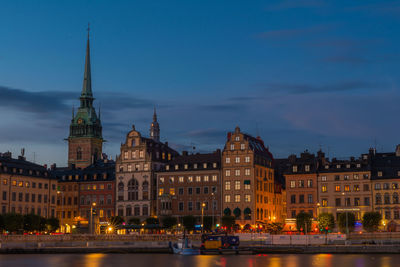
327, 88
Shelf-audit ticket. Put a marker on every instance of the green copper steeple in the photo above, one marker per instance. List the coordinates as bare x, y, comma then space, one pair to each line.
85, 122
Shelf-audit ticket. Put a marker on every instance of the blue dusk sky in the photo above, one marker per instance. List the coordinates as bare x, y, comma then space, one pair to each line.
302, 74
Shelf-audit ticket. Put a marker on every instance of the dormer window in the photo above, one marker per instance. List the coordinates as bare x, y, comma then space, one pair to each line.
195, 166
167, 167
358, 165
338, 166
214, 165
161, 179
348, 166
176, 167
186, 166
20, 171
307, 168
77, 177
398, 173
294, 168
237, 138
326, 166
379, 173
70, 177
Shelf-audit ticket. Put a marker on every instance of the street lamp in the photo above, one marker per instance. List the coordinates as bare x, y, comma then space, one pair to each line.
213, 209
318, 205
91, 217
202, 217
62, 206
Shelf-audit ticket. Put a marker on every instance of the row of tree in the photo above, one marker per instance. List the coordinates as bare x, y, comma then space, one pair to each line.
13, 222
326, 222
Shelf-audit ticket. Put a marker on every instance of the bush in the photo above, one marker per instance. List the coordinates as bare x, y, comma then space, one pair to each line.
351, 220
189, 222
135, 221
371, 221
274, 228
52, 224
13, 222
152, 220
228, 221
31, 222
303, 219
326, 222
168, 222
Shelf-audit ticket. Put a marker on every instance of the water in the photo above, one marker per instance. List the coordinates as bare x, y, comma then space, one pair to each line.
165, 260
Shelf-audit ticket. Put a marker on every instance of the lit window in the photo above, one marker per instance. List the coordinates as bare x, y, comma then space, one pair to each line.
126, 156
324, 189
247, 159
190, 179
172, 191
237, 172
129, 167
228, 173
227, 185
247, 172
237, 198
237, 138
380, 174
232, 147
307, 168
214, 178
205, 165
227, 198
167, 167
337, 188
161, 191
205, 178
355, 176
237, 185
247, 198
214, 165
292, 184
181, 179
134, 154
195, 166
198, 178
324, 203
294, 168
186, 166
323, 178
347, 188
237, 160
176, 167
227, 160
242, 146
141, 154
171, 179
161, 179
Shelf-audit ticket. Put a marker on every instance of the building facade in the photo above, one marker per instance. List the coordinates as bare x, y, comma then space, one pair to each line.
248, 184
191, 185
26, 187
140, 158
301, 178
345, 186
85, 140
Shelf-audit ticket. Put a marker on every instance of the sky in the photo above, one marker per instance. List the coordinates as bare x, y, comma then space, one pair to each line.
301, 74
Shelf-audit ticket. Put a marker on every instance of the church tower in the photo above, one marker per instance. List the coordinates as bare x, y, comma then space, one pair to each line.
155, 128
85, 140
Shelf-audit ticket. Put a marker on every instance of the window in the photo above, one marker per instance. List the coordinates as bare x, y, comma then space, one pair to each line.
387, 215
237, 160
198, 178
385, 186
237, 138
337, 188
133, 190
337, 177
205, 178
190, 205
180, 191
227, 185
377, 186
301, 183
386, 198
180, 179
242, 146
366, 201
366, 187
161, 191
395, 186
294, 168
292, 184
247, 159
293, 199
198, 191
237, 172
190, 179
79, 153
145, 190
227, 198
355, 176
171, 179
347, 188
356, 201
237, 198
227, 160
134, 154
309, 183
378, 199
379, 173
323, 178
237, 185
310, 198
247, 172
181, 206
205, 190
214, 178
126, 155
247, 184
366, 176
324, 202
301, 199
395, 198
396, 215
345, 177
161, 180
228, 173
356, 188
190, 191
307, 168
293, 214
338, 202
141, 154
232, 147
247, 198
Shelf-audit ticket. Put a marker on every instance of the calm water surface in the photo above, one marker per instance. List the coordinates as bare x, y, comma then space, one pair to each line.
161, 260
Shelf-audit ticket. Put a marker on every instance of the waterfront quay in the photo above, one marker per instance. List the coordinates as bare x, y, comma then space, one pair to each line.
356, 244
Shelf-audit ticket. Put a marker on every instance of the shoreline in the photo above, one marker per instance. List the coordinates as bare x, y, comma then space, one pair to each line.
248, 250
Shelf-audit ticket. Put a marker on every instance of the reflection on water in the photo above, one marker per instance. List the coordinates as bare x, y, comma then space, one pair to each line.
165, 260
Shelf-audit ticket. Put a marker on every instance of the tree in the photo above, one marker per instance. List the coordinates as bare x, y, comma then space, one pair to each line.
135, 221
1, 223
116, 220
228, 221
208, 223
371, 221
152, 220
13, 222
168, 222
326, 222
351, 220
274, 228
189, 222
303, 222
31, 222
52, 224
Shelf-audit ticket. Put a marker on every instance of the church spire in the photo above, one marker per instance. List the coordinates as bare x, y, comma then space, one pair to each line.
155, 128
86, 95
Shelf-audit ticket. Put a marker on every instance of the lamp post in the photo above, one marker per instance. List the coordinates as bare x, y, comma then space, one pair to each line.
91, 217
213, 210
202, 217
318, 205
62, 206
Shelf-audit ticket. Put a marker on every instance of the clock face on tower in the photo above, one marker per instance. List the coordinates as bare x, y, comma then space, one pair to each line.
80, 121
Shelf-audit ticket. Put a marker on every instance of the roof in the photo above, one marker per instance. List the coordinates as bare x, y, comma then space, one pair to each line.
191, 159
387, 164
22, 166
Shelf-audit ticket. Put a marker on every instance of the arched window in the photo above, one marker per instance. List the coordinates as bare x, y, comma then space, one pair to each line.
133, 189
121, 191
79, 153
387, 198
378, 199
145, 188
395, 198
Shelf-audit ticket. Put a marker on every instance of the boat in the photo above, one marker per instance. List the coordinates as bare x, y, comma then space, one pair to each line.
184, 247
219, 243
